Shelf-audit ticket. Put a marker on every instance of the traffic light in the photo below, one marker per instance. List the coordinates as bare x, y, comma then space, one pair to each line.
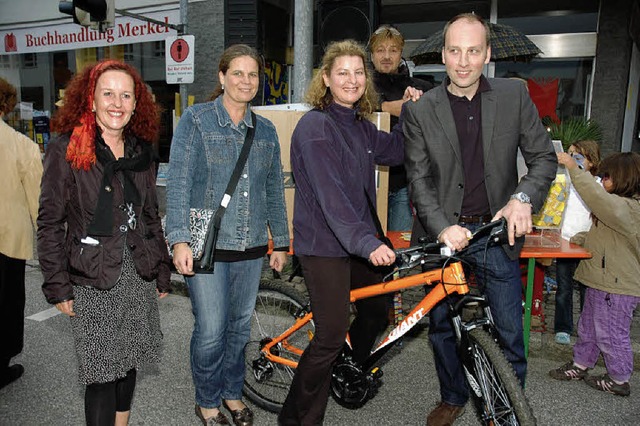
97, 14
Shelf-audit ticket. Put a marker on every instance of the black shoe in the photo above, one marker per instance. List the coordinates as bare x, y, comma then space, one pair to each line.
11, 374
243, 417
220, 419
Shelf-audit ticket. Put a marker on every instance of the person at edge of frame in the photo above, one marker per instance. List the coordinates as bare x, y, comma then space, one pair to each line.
395, 87
21, 171
461, 141
610, 275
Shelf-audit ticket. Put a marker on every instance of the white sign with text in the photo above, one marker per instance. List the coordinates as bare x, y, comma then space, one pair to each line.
180, 59
72, 36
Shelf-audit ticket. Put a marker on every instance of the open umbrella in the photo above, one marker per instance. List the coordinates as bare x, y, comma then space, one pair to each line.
507, 43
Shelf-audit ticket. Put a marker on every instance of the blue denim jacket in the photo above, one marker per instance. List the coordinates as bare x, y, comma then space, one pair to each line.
204, 150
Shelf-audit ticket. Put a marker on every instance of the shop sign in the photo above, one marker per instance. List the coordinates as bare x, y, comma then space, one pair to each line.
179, 58
72, 36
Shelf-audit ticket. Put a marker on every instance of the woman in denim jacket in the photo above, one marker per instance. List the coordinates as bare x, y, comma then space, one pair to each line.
204, 151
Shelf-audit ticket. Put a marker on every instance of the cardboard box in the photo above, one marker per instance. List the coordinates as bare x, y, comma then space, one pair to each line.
285, 118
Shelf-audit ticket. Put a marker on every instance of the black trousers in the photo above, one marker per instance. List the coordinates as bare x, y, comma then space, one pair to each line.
329, 280
102, 400
12, 300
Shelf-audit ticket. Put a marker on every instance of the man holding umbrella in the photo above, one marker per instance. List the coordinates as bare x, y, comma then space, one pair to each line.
461, 140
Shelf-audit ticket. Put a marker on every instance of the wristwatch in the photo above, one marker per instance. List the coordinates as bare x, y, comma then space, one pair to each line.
522, 197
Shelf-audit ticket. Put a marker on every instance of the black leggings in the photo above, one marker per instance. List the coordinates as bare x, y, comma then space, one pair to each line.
328, 281
102, 400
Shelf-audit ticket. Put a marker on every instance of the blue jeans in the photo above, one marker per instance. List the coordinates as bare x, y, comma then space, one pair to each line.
499, 278
563, 320
222, 305
400, 216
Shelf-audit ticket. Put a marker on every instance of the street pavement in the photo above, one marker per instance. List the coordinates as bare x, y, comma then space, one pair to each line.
49, 392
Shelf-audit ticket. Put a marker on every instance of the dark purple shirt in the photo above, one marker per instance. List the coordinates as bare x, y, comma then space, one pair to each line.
333, 161
468, 119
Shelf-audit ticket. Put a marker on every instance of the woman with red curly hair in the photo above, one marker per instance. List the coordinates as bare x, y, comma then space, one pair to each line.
100, 242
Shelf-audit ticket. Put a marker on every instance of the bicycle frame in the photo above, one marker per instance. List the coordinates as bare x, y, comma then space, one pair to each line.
496, 391
450, 279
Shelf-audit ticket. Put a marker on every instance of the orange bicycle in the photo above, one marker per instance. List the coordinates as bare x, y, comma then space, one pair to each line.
282, 327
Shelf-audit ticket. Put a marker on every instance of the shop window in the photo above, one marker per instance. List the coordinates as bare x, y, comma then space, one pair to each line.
85, 57
5, 62
158, 49
128, 52
29, 60
560, 88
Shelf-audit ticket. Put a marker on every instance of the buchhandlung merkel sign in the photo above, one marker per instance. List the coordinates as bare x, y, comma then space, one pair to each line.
72, 36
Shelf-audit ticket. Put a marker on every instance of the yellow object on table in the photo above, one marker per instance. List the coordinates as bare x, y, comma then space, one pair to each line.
550, 216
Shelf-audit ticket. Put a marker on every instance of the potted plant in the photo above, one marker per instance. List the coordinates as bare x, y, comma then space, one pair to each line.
573, 129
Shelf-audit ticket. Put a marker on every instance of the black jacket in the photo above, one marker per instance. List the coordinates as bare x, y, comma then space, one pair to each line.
391, 87
68, 200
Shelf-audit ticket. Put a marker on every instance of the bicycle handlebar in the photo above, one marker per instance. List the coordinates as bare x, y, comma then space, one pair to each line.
407, 258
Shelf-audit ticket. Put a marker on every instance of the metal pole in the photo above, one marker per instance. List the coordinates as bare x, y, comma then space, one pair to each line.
302, 48
493, 18
183, 21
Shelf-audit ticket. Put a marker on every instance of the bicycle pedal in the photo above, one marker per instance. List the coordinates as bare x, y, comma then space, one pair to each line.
376, 373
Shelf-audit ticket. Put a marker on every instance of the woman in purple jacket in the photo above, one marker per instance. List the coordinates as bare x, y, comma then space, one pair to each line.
334, 151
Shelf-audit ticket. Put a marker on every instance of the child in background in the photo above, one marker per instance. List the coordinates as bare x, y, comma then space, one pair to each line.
577, 218
611, 274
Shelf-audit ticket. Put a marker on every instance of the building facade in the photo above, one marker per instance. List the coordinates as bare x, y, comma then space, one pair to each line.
590, 66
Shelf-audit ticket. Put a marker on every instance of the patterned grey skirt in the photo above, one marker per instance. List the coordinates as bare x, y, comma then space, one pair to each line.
117, 329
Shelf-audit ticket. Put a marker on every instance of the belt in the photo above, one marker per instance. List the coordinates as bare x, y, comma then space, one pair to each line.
474, 220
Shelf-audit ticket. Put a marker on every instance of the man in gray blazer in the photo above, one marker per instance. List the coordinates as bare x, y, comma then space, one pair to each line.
461, 141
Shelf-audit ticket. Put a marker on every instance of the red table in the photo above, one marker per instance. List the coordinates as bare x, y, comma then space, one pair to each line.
563, 249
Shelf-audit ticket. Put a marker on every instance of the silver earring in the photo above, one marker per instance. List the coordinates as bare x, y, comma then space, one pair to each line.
222, 85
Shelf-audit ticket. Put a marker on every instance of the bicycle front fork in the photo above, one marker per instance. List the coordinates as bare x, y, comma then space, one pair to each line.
471, 312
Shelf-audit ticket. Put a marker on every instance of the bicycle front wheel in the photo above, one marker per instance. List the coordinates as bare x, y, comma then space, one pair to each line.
496, 390
278, 305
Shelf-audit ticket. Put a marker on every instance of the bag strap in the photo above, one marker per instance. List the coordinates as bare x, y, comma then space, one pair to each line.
215, 222
372, 210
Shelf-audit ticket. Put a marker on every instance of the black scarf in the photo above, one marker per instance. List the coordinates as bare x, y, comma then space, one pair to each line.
102, 223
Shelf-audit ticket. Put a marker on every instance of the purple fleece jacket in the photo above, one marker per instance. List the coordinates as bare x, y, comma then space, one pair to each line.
331, 169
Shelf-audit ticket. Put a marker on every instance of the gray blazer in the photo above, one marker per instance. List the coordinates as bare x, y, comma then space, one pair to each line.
434, 164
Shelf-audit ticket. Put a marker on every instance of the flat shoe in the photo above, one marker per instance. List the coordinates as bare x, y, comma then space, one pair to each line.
606, 384
563, 338
220, 419
242, 417
568, 371
11, 374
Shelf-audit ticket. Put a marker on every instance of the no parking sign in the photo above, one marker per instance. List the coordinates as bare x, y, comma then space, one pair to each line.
179, 56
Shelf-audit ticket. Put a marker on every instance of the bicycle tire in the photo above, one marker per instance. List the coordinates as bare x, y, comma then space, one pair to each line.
495, 389
267, 384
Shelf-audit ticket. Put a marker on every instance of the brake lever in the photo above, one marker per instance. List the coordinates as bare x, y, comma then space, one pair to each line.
499, 234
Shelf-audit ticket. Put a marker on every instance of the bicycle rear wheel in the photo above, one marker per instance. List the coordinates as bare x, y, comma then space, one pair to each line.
495, 389
277, 306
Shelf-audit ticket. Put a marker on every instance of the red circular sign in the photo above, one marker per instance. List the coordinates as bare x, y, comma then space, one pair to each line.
179, 50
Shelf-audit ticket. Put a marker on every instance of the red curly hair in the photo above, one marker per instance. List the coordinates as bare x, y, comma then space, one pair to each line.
76, 115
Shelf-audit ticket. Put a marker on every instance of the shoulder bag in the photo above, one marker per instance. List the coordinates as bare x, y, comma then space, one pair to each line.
204, 224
